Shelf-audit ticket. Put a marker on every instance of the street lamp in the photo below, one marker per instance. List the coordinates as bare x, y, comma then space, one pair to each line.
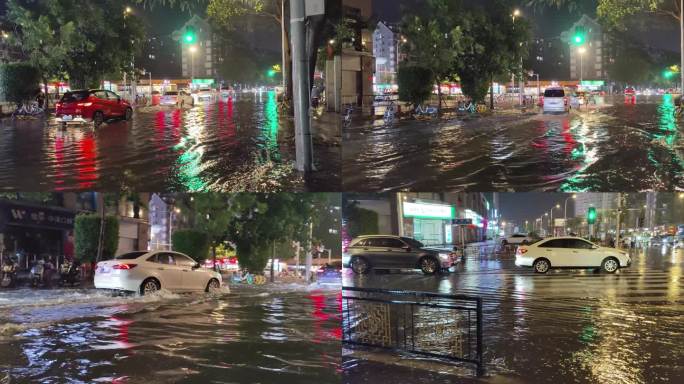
565, 213
581, 51
516, 13
551, 226
192, 50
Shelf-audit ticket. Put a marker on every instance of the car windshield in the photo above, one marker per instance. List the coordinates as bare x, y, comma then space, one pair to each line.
170, 93
130, 255
413, 242
554, 93
71, 97
205, 90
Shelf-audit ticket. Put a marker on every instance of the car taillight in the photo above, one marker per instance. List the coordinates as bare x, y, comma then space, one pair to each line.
88, 104
522, 250
124, 266
58, 105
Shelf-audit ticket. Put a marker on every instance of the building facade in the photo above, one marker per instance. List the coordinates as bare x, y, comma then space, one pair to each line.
429, 217
200, 56
386, 41
589, 58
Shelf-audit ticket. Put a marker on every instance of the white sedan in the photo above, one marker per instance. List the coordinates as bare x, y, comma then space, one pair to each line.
570, 252
149, 271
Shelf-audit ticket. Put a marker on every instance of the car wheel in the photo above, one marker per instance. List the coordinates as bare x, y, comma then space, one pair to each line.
213, 286
429, 265
150, 285
610, 265
128, 114
360, 266
542, 266
98, 118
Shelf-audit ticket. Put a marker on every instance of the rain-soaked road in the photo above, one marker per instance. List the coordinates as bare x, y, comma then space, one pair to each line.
622, 147
251, 335
568, 326
230, 145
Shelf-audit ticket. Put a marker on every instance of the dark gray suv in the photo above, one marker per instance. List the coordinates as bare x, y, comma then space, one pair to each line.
394, 252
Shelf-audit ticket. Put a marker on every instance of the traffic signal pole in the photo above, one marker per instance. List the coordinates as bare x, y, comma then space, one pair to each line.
303, 143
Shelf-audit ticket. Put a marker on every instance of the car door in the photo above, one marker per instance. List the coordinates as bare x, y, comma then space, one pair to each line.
375, 250
555, 251
169, 273
192, 279
101, 103
397, 254
116, 108
584, 254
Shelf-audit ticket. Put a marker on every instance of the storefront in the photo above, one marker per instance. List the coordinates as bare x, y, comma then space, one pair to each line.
429, 223
31, 232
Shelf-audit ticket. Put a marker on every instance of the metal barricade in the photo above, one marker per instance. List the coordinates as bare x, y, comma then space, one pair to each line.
426, 324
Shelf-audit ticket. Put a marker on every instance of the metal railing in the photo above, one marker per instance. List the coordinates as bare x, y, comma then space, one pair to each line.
426, 324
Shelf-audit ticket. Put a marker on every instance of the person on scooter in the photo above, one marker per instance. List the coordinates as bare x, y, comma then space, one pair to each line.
8, 277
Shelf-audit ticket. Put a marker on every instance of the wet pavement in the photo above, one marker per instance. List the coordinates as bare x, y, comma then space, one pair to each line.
230, 145
567, 326
622, 147
250, 335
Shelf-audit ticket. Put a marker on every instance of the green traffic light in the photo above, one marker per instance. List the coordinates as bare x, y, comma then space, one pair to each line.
591, 215
579, 39
668, 74
189, 38
271, 73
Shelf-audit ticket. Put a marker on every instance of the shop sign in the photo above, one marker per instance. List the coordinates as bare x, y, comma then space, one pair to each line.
478, 221
462, 221
203, 81
595, 83
428, 211
38, 217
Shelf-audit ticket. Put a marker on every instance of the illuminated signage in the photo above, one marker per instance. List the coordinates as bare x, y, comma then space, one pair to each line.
598, 83
428, 211
203, 81
477, 219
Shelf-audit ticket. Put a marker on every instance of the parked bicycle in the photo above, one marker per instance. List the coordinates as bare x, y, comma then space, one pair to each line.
389, 113
347, 117
31, 109
427, 111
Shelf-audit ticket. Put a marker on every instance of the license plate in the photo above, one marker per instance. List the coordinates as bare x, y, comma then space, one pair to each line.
67, 118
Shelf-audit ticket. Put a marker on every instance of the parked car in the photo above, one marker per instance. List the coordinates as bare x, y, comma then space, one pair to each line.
517, 239
554, 100
149, 271
95, 105
204, 95
170, 98
394, 252
330, 274
570, 252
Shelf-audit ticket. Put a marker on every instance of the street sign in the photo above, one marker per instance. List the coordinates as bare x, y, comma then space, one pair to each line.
461, 221
315, 7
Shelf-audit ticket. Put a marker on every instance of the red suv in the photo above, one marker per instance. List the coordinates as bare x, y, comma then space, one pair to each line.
95, 105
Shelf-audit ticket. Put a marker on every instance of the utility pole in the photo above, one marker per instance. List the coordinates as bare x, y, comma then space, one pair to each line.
301, 102
617, 225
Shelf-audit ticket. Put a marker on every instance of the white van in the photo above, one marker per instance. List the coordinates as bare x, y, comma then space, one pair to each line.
554, 100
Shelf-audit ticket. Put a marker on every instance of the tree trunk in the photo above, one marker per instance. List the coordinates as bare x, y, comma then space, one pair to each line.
439, 98
46, 102
100, 241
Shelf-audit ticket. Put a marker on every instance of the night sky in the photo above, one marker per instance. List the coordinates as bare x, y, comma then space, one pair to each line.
518, 207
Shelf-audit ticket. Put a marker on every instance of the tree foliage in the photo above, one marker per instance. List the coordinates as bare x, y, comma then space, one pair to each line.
87, 233
59, 39
413, 86
19, 82
191, 242
471, 42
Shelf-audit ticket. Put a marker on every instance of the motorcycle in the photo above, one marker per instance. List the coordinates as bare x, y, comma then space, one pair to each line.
70, 273
9, 274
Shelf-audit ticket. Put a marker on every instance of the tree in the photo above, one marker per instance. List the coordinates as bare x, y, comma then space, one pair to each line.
412, 85
631, 66
87, 234
266, 219
494, 46
360, 221
434, 41
211, 213
191, 242
19, 82
59, 41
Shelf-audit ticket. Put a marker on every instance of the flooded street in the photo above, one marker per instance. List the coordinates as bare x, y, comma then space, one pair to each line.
622, 147
230, 145
249, 335
567, 326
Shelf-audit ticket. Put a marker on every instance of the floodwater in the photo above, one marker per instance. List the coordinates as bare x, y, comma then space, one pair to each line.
567, 326
229, 145
249, 335
622, 147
